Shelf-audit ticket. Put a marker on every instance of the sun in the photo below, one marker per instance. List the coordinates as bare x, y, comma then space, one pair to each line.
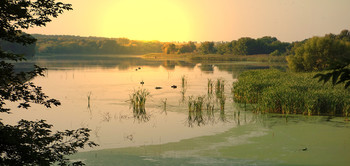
145, 20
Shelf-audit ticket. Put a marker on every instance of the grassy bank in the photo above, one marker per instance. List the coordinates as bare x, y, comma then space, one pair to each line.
287, 93
216, 57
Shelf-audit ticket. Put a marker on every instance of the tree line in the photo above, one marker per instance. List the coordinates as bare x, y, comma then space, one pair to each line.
242, 46
63, 44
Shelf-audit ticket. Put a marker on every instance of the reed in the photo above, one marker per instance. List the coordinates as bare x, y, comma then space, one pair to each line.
210, 112
138, 103
210, 86
183, 81
290, 93
195, 110
183, 87
220, 88
164, 105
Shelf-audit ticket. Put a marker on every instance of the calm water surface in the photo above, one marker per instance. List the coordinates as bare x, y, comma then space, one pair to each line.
95, 93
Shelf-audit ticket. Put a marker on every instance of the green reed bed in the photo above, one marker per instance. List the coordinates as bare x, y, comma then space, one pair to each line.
285, 92
195, 110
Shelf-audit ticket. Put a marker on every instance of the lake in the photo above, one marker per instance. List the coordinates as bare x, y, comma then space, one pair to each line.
96, 93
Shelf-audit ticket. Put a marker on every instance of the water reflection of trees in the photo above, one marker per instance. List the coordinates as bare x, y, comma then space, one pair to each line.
127, 62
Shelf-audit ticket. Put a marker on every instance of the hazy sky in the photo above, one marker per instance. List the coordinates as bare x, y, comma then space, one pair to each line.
201, 20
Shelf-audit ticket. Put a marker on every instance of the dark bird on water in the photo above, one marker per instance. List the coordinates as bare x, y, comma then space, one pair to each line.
304, 149
158, 87
142, 82
173, 86
139, 68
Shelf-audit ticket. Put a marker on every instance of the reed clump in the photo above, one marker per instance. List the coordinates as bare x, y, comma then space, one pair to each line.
220, 88
195, 110
138, 103
285, 92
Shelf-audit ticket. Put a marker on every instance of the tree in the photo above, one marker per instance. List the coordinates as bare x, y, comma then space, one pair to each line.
207, 48
30, 143
340, 73
169, 48
344, 35
317, 54
331, 52
187, 48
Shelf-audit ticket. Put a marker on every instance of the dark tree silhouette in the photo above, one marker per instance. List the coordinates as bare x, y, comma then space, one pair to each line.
29, 142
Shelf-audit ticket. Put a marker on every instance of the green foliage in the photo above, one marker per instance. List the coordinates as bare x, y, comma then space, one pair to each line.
33, 143
138, 103
275, 53
207, 48
195, 111
30, 143
339, 76
319, 53
286, 92
250, 46
93, 45
341, 71
187, 48
344, 35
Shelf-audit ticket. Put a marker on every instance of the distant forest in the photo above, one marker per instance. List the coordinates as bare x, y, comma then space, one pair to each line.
63, 44
93, 45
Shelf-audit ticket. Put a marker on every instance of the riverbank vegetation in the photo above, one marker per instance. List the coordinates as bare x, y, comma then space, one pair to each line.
331, 52
297, 91
215, 57
275, 91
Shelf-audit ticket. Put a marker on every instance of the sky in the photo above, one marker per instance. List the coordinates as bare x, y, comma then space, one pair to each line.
201, 20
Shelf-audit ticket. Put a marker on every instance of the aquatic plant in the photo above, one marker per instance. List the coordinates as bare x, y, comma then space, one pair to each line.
289, 93
183, 81
183, 87
210, 86
210, 112
195, 110
220, 88
138, 103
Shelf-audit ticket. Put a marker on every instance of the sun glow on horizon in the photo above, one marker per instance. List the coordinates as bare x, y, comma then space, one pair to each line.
145, 20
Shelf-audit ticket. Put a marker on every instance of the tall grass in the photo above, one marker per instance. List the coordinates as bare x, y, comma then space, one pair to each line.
285, 92
220, 88
138, 104
195, 110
